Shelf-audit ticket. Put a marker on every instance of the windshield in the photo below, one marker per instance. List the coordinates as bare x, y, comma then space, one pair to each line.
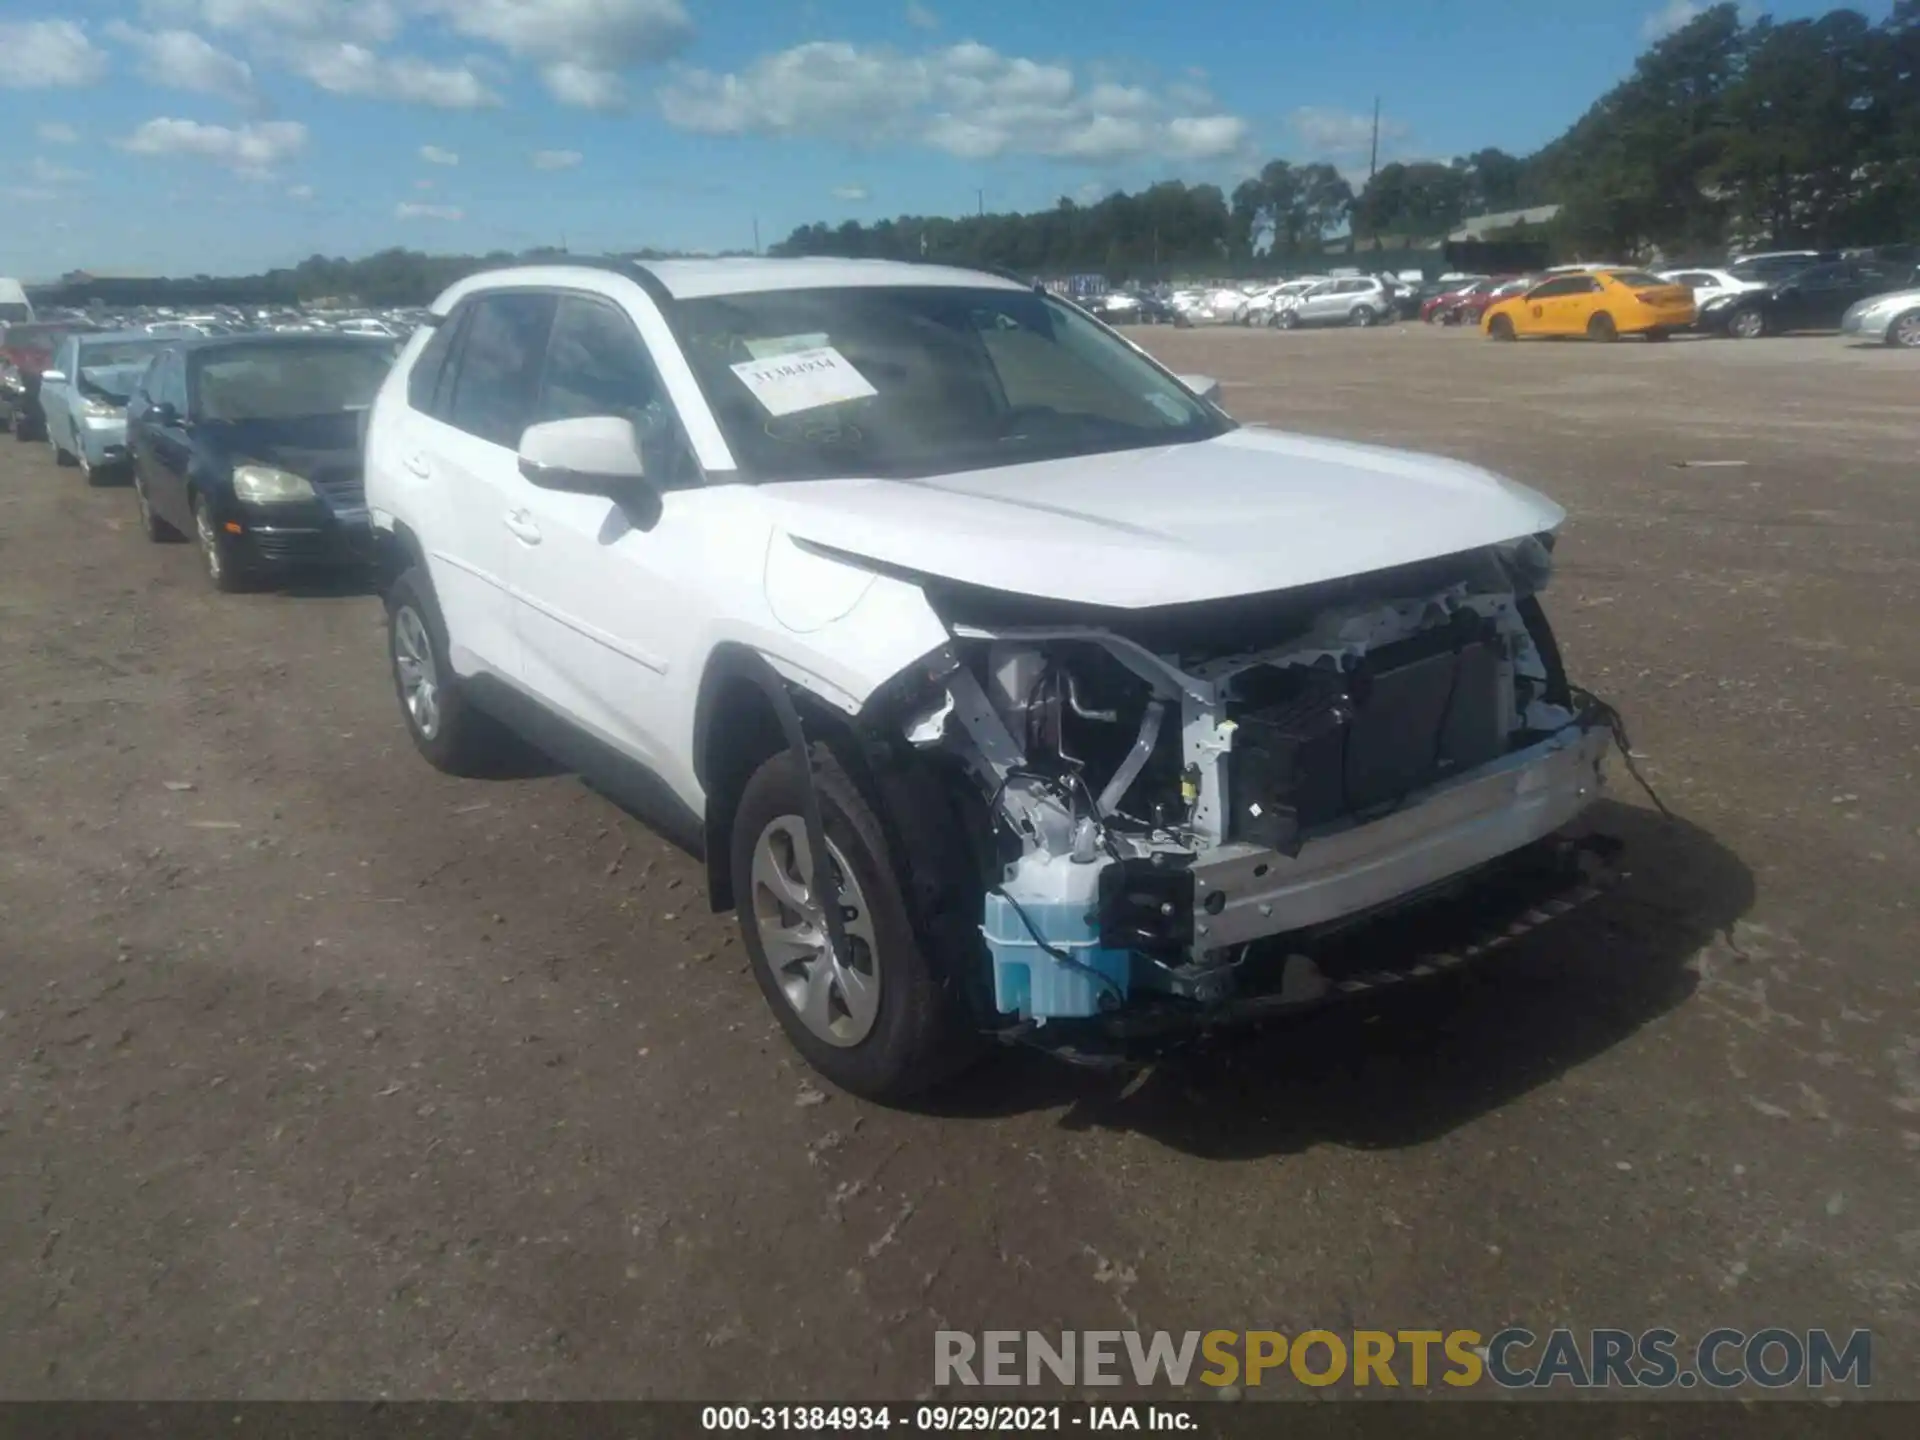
898, 380
287, 382
114, 367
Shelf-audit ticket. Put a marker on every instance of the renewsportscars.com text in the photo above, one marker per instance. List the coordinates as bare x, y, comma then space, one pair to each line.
1513, 1358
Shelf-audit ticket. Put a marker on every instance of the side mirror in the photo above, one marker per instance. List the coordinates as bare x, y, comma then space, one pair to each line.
53, 377
590, 455
161, 413
1205, 386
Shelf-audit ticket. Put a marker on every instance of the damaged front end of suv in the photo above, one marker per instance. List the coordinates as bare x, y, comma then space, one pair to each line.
1181, 814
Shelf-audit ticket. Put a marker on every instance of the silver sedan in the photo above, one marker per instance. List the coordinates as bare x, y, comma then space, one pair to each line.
1892, 319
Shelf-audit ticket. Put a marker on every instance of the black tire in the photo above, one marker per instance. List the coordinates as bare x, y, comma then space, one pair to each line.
1903, 331
225, 569
1289, 319
151, 525
1602, 328
461, 740
1362, 317
23, 430
1500, 328
1746, 324
921, 1033
65, 459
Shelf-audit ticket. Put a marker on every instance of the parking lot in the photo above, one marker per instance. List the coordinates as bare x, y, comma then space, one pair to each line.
327, 1075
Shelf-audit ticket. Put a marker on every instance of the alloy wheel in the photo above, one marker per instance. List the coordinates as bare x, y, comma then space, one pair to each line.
837, 997
209, 541
419, 676
1905, 331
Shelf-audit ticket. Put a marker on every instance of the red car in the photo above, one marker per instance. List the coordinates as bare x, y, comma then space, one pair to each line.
1469, 308
26, 348
1435, 309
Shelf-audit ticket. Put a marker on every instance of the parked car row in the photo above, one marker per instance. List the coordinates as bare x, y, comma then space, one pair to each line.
788, 557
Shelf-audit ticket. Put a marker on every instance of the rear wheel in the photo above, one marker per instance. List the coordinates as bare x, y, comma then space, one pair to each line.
1601, 327
1363, 316
1500, 327
885, 1020
446, 729
155, 529
1904, 331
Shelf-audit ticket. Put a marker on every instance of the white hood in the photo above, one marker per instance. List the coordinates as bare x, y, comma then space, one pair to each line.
1251, 511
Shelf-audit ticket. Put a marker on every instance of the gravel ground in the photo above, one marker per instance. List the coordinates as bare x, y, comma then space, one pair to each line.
328, 1076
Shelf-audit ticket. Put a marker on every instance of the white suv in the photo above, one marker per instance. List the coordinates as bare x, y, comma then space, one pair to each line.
1361, 300
1008, 687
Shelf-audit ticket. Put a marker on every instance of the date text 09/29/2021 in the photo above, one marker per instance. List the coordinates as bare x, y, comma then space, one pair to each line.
949, 1419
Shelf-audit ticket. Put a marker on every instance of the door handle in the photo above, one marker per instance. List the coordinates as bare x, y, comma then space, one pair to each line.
416, 465
522, 526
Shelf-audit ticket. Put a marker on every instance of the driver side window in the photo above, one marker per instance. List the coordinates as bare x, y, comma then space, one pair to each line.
597, 364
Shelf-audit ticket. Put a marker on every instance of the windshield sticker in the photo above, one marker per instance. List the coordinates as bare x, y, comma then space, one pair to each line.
768, 348
803, 380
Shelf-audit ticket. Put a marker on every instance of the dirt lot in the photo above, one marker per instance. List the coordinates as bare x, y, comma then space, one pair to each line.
328, 1076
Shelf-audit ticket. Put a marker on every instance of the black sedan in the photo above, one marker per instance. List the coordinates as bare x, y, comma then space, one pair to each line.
1813, 298
251, 445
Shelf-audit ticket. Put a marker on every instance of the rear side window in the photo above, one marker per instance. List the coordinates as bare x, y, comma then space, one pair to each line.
423, 381
496, 378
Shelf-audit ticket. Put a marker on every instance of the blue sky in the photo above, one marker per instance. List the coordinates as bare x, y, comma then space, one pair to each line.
219, 136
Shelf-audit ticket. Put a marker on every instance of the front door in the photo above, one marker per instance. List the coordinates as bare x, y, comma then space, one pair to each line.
167, 450
604, 639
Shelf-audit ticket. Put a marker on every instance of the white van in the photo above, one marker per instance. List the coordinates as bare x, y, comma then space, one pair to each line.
14, 305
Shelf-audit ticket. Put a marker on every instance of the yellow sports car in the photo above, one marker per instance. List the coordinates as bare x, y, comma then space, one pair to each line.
1599, 304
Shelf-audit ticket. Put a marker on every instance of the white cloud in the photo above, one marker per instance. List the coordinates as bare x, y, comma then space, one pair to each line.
344, 68
586, 87
47, 54
1674, 15
556, 159
299, 192
434, 155
53, 132
367, 21
967, 100
602, 34
252, 149
45, 172
181, 60
1334, 134
413, 210
850, 192
920, 17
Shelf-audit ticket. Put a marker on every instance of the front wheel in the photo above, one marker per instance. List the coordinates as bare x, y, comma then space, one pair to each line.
1904, 331
1746, 325
1289, 320
224, 570
884, 1020
62, 456
1500, 328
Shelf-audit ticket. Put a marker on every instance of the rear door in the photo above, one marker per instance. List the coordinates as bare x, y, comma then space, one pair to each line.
457, 451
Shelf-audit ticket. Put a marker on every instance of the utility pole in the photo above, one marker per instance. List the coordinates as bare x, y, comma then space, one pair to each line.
981, 196
1373, 157
756, 234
